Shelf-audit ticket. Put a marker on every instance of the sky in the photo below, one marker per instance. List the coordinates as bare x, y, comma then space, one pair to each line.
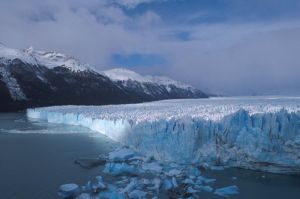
228, 47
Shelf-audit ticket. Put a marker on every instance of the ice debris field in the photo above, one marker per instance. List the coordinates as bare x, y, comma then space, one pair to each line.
137, 176
261, 133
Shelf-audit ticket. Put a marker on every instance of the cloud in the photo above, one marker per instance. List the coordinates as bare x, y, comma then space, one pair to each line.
227, 57
132, 3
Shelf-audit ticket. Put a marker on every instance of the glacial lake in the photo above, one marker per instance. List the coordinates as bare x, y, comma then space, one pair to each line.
37, 157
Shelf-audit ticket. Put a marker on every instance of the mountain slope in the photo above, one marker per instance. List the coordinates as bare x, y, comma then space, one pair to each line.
152, 86
30, 78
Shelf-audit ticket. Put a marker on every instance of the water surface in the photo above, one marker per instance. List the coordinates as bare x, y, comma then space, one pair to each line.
36, 159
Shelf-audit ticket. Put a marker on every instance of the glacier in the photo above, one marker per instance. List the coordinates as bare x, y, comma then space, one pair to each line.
261, 133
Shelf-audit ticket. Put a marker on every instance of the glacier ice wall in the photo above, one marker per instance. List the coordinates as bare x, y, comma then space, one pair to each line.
262, 134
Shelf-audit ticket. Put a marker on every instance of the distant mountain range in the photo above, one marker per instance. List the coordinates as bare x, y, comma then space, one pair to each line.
31, 78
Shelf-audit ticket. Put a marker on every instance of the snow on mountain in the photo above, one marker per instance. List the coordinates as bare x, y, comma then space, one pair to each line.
9, 54
35, 78
14, 88
54, 59
257, 133
121, 74
36, 57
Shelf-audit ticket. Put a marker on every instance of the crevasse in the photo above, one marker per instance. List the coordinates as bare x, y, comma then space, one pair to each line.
267, 141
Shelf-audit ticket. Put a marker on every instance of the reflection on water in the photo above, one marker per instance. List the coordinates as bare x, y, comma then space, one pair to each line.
35, 160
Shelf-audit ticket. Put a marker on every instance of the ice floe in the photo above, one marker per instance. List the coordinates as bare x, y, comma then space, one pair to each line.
227, 191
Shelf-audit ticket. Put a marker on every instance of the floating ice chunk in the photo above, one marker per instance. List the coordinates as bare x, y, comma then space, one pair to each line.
99, 179
167, 184
194, 172
144, 181
137, 194
132, 185
87, 187
191, 190
111, 195
98, 185
227, 191
206, 188
84, 196
205, 180
68, 190
173, 172
152, 167
122, 154
174, 182
204, 166
188, 181
156, 185
120, 169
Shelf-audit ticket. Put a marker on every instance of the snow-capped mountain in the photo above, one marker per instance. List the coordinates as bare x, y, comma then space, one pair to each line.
151, 85
30, 78
35, 57
124, 75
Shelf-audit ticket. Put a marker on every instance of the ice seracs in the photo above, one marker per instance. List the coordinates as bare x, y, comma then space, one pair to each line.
253, 133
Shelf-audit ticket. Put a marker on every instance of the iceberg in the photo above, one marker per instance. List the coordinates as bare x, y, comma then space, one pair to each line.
120, 169
68, 190
122, 154
260, 133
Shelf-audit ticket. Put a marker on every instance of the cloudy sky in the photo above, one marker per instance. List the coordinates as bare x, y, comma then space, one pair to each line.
222, 46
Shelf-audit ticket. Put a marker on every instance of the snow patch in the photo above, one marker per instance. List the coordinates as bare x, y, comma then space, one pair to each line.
14, 88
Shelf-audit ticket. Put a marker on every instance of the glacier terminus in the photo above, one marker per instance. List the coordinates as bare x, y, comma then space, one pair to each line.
260, 133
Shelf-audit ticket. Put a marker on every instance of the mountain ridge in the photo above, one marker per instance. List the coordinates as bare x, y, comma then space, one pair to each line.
31, 78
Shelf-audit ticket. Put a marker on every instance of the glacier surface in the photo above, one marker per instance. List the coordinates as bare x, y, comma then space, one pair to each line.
261, 133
